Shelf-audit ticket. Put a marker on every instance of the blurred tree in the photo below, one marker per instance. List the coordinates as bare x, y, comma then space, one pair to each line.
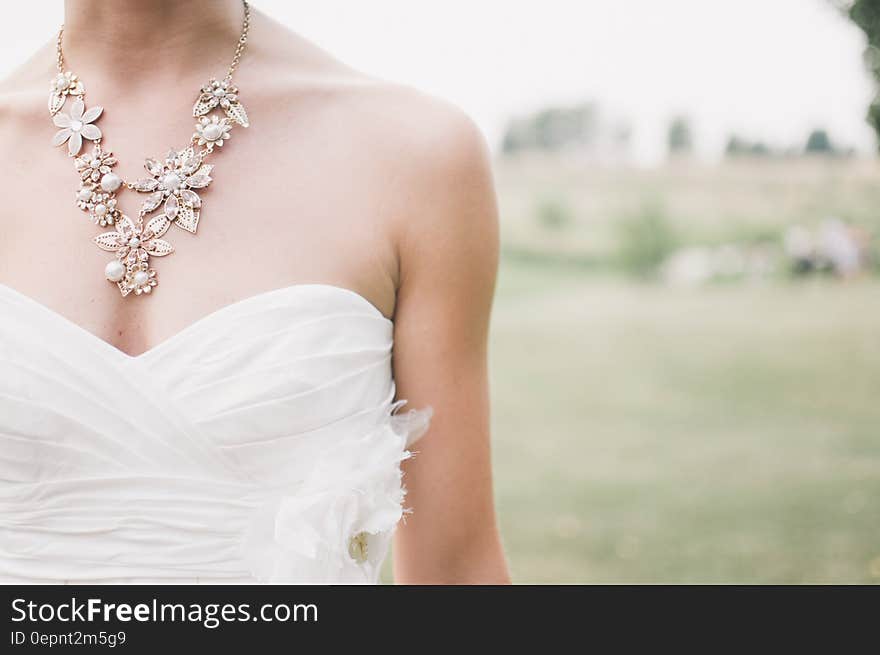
819, 143
553, 129
644, 241
737, 146
679, 137
866, 14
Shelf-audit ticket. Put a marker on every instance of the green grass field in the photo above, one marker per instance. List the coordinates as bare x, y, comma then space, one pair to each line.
728, 433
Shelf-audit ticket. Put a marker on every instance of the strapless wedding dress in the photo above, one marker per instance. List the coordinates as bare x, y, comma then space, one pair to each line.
260, 444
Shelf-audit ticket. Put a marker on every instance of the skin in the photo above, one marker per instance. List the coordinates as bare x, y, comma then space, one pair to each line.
341, 179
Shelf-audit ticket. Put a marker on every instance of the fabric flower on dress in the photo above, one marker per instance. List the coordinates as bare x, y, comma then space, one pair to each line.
224, 94
76, 126
173, 182
134, 244
212, 131
63, 85
337, 523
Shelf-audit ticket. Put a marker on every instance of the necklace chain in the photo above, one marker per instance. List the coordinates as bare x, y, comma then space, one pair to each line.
242, 42
236, 57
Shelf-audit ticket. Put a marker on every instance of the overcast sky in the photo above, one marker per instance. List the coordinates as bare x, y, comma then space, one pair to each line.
769, 69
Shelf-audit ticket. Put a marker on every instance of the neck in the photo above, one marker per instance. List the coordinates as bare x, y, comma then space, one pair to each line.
129, 39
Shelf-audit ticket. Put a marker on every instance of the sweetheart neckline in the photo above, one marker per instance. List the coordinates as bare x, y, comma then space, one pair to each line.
212, 315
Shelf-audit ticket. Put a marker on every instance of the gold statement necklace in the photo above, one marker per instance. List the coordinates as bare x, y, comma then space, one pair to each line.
171, 185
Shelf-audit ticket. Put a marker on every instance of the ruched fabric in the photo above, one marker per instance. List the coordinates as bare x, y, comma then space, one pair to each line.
263, 443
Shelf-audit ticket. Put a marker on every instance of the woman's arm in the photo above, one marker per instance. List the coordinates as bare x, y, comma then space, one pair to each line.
448, 259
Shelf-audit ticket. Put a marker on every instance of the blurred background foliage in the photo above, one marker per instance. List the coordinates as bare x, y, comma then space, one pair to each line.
686, 357
866, 14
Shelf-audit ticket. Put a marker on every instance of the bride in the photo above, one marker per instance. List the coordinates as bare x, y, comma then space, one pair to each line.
226, 261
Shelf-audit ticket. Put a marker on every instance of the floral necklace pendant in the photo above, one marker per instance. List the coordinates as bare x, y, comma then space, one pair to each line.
173, 184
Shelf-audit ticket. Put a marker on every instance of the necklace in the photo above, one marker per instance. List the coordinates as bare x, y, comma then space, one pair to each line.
172, 182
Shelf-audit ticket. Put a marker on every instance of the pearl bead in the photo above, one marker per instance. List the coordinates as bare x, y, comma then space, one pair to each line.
141, 278
61, 82
110, 182
212, 132
84, 194
100, 209
114, 271
171, 181
134, 242
76, 125
219, 92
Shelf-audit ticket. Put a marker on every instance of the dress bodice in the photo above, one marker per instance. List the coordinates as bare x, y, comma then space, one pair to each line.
260, 444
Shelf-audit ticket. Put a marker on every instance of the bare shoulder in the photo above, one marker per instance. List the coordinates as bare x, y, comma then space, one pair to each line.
426, 135
426, 154
437, 166
399, 126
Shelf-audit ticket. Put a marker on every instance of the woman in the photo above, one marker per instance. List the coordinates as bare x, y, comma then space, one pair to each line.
196, 359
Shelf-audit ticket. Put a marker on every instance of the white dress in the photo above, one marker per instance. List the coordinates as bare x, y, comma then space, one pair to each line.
260, 444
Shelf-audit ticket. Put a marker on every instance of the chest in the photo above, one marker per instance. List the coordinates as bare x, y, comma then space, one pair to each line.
272, 215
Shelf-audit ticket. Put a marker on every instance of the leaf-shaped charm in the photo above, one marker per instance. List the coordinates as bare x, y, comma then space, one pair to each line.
153, 200
158, 225
56, 102
147, 184
236, 113
205, 103
108, 241
191, 198
124, 289
171, 207
187, 218
153, 167
159, 248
